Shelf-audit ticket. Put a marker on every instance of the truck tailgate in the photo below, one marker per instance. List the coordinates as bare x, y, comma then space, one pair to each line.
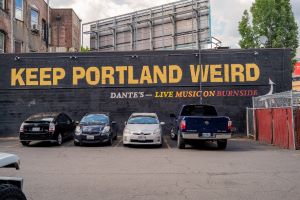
206, 124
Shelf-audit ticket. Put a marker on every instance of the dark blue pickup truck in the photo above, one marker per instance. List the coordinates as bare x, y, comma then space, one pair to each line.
200, 122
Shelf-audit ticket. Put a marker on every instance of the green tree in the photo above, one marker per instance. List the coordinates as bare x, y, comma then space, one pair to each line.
273, 19
245, 29
86, 49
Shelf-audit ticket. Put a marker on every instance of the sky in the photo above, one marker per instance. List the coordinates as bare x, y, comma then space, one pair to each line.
225, 13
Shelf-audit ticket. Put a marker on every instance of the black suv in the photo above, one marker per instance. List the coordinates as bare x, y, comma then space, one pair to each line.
51, 127
95, 128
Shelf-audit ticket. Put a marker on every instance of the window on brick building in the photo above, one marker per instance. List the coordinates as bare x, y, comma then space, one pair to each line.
19, 10
2, 4
2, 42
18, 47
44, 30
34, 19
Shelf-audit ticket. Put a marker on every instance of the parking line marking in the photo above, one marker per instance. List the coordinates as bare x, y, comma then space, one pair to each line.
169, 147
69, 143
118, 143
8, 138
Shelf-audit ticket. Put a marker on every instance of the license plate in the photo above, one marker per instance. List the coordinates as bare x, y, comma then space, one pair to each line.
142, 138
221, 136
206, 134
36, 129
90, 137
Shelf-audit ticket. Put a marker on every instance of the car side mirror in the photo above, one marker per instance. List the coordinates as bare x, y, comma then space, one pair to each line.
125, 123
77, 123
162, 123
172, 115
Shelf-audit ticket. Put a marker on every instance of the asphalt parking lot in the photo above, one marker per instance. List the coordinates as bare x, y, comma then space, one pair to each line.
245, 170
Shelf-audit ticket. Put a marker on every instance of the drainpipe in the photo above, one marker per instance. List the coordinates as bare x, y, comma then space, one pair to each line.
48, 24
58, 21
12, 26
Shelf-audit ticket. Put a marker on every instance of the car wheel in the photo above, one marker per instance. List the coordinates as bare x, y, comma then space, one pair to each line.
180, 142
59, 139
222, 144
116, 136
173, 134
76, 143
25, 143
161, 144
110, 141
9, 192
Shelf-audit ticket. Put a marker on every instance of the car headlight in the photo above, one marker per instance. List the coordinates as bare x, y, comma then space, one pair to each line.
22, 127
106, 129
126, 131
156, 131
78, 130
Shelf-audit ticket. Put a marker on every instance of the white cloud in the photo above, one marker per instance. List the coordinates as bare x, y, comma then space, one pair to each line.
225, 13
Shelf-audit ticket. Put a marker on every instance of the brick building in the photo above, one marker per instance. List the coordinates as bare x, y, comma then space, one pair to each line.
32, 26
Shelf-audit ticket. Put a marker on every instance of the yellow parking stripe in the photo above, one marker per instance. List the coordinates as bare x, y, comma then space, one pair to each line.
166, 141
121, 140
8, 138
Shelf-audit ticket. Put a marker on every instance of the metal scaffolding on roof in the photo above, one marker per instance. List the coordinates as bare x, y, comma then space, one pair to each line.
179, 25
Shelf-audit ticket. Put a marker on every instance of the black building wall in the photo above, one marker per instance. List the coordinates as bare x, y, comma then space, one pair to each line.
231, 97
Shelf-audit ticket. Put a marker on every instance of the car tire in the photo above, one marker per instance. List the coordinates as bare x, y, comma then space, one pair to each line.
125, 145
161, 144
8, 192
59, 139
173, 135
110, 141
76, 143
116, 136
180, 142
222, 144
25, 143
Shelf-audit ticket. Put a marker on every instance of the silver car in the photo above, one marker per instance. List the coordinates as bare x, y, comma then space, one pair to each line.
143, 129
10, 187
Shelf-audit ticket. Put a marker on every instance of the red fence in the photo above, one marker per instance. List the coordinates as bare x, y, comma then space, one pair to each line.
275, 126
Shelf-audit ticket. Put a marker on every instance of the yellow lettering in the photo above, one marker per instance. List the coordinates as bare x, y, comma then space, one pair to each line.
16, 77
204, 73
237, 72
195, 73
252, 68
121, 70
226, 73
58, 74
161, 74
146, 75
45, 76
108, 73
89, 72
215, 70
78, 73
175, 70
31, 77
131, 79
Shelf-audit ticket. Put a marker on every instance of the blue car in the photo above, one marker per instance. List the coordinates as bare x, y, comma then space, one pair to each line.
95, 128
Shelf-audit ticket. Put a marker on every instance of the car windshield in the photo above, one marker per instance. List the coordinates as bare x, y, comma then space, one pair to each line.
95, 119
195, 110
143, 120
